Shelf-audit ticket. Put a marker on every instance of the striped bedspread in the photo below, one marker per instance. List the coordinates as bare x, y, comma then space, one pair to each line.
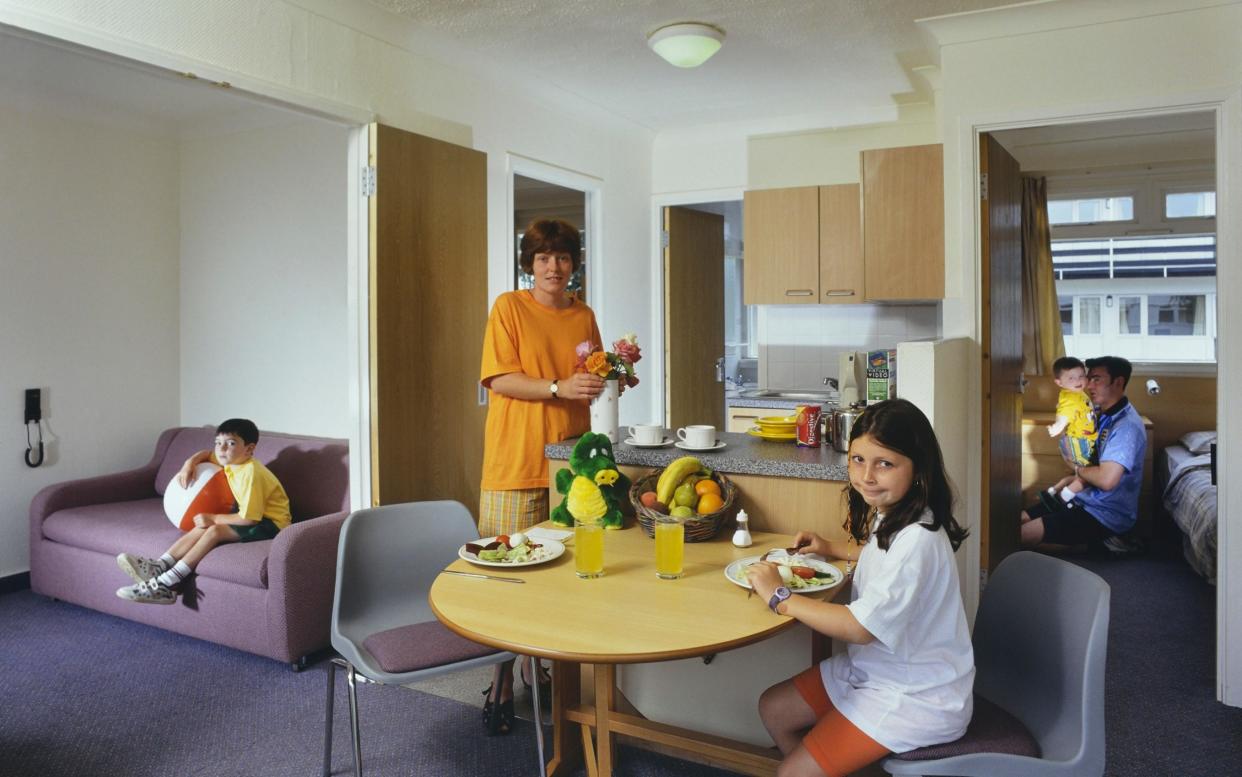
1190, 498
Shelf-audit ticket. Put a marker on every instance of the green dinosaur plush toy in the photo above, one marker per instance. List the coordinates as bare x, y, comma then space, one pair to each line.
593, 460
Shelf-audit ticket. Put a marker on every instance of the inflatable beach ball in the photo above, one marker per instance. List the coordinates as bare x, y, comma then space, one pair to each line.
209, 492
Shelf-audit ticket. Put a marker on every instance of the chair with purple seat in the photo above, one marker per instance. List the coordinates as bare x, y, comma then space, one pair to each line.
382, 625
1040, 640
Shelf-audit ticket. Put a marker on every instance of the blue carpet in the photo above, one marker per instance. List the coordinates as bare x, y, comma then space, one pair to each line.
86, 694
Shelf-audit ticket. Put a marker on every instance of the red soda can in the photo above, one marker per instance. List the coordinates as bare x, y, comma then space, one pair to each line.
808, 426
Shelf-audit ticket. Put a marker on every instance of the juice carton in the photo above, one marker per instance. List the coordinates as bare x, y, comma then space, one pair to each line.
881, 375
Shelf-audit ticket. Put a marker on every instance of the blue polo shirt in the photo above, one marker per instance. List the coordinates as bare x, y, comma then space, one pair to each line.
1122, 439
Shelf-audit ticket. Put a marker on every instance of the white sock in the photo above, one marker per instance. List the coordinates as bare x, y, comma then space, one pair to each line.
179, 572
167, 561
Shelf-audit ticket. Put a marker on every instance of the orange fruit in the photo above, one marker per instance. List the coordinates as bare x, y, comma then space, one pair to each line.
710, 503
707, 486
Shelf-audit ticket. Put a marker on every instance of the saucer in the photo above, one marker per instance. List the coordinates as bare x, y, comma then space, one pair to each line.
764, 434
719, 444
630, 441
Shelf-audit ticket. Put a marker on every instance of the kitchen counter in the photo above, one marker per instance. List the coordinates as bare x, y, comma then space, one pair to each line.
742, 455
782, 404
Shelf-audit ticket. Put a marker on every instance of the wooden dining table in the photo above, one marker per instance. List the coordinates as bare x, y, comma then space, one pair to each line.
628, 616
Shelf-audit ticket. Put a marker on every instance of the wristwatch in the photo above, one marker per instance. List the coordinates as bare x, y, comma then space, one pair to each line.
554, 388
778, 596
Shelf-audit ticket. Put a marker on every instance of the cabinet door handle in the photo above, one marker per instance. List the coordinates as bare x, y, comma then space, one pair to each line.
799, 293
740, 416
839, 293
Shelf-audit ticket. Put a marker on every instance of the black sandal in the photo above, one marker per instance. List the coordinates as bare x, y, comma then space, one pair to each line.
545, 684
497, 716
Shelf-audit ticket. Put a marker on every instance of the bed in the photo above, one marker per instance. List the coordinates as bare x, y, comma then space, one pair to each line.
1188, 481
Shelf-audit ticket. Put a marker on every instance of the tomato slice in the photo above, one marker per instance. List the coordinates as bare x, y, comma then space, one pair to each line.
504, 538
806, 573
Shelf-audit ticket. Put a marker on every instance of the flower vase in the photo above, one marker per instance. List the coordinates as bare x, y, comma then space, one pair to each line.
604, 416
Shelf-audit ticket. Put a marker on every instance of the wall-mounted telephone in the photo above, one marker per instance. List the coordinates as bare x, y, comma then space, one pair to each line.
34, 415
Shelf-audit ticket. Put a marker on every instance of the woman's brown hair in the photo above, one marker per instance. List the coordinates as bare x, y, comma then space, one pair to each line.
900, 426
550, 236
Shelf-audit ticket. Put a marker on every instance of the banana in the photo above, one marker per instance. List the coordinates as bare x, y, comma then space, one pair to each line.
672, 476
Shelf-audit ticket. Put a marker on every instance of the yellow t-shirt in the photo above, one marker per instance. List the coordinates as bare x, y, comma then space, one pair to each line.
525, 336
258, 493
1075, 406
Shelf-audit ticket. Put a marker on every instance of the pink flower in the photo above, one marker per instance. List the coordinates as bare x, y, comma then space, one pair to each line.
628, 350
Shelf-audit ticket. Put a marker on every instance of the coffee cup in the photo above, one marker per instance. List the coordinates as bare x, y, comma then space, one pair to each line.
698, 436
647, 434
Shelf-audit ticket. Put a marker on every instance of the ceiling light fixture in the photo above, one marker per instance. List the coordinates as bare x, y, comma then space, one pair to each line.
688, 44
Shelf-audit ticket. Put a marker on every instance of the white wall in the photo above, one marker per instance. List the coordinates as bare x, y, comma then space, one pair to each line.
799, 345
264, 327
88, 301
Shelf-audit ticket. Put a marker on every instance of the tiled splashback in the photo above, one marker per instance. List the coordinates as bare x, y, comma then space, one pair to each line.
799, 344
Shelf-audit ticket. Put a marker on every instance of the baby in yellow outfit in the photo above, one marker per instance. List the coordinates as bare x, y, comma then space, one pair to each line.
1075, 419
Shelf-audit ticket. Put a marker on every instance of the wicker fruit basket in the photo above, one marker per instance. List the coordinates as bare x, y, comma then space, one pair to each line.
699, 527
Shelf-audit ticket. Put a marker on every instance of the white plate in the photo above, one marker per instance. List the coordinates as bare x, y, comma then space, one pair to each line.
734, 572
554, 548
636, 444
680, 444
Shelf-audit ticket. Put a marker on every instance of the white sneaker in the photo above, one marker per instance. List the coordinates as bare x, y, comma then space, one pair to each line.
140, 568
150, 592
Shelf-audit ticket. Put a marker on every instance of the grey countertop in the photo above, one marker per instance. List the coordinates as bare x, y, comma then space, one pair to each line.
782, 404
742, 455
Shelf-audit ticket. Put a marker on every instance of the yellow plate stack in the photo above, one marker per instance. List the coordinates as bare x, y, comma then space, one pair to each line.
775, 427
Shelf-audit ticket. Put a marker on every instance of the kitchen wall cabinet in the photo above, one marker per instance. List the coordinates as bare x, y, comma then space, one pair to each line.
903, 222
741, 419
803, 245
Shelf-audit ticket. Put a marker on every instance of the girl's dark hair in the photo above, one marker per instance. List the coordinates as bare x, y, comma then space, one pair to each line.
899, 425
550, 236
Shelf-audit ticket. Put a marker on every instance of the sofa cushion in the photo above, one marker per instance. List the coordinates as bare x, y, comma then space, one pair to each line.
313, 470
421, 646
141, 527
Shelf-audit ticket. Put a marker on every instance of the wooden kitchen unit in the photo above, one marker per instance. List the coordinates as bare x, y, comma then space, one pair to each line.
1042, 465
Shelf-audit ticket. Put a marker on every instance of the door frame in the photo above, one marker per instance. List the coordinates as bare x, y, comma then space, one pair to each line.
592, 189
659, 404
964, 189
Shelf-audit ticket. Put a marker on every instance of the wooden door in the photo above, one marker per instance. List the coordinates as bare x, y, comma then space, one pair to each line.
841, 273
781, 234
428, 309
903, 222
693, 317
1001, 282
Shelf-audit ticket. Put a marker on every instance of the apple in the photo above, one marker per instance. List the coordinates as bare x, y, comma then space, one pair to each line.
648, 498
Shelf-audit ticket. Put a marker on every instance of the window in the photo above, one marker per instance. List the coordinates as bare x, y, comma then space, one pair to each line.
1174, 315
1088, 316
1190, 205
1067, 315
1090, 210
1130, 310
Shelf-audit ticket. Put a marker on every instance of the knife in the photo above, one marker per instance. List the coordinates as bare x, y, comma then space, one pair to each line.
484, 577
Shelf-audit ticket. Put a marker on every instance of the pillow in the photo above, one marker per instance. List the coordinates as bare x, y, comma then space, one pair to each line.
1198, 443
209, 492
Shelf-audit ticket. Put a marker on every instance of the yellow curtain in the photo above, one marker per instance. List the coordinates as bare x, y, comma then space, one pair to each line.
1042, 343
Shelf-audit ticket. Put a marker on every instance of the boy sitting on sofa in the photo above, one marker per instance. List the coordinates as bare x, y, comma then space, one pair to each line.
262, 509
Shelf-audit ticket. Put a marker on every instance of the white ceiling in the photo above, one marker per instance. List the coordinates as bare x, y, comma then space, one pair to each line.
1173, 138
781, 58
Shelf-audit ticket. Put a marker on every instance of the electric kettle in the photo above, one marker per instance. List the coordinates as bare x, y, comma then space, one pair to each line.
839, 424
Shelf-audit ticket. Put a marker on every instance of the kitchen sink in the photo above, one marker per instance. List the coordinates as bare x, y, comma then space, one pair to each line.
807, 396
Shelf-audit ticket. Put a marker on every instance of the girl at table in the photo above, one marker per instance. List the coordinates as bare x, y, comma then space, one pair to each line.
906, 677
535, 397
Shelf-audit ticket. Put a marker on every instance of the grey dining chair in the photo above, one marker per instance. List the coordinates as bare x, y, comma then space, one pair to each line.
382, 624
1040, 640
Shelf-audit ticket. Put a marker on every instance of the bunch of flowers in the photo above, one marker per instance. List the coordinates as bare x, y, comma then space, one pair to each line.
617, 363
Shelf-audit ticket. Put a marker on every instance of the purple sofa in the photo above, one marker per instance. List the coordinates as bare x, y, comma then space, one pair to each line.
273, 598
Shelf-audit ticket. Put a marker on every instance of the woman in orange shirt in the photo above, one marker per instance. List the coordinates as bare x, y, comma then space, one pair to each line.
535, 397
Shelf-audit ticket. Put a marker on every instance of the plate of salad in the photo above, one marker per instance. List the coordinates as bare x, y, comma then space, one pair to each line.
800, 574
516, 550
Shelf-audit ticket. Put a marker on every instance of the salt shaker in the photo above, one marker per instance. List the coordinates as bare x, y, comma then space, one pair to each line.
741, 537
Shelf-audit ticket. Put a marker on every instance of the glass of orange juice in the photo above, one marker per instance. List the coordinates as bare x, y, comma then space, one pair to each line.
588, 548
670, 544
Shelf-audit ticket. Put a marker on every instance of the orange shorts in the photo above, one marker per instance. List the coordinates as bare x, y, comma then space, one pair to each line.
838, 746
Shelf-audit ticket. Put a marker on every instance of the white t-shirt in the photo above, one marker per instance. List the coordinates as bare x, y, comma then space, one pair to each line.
911, 686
